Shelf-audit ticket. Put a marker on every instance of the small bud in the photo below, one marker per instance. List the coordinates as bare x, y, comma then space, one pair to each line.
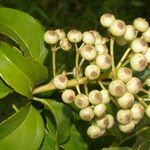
60, 33
68, 96
100, 110
107, 19
124, 116
124, 74
101, 49
74, 36
127, 128
95, 33
118, 28
141, 24
103, 61
148, 111
121, 41
95, 97
134, 85
81, 101
98, 40
146, 35
88, 52
117, 88
102, 122
92, 72
147, 81
65, 45
105, 96
147, 55
77, 71
88, 38
60, 81
86, 114
111, 121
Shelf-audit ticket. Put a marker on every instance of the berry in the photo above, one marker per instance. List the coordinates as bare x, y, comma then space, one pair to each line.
51, 37
101, 49
60, 33
60, 81
95, 33
105, 96
137, 111
121, 41
92, 72
64, 44
86, 114
102, 122
147, 81
126, 100
141, 24
103, 61
124, 116
118, 28
147, 55
95, 97
98, 40
111, 121
68, 96
74, 36
139, 45
88, 52
117, 88
127, 128
134, 85
100, 110
81, 101
138, 62
146, 35
148, 110
88, 38
94, 132
107, 19
124, 74
130, 33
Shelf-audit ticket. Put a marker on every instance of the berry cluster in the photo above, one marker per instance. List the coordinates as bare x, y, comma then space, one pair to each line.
117, 83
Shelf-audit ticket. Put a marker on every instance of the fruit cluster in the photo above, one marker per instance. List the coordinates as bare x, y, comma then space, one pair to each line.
117, 84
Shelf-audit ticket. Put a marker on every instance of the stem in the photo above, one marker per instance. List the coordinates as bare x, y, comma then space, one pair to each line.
145, 91
123, 58
77, 60
15, 107
101, 85
86, 89
78, 89
125, 63
141, 100
81, 62
112, 56
114, 101
54, 62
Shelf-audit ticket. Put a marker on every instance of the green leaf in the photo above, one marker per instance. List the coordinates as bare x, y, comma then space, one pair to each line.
75, 141
118, 148
25, 31
4, 89
22, 131
18, 72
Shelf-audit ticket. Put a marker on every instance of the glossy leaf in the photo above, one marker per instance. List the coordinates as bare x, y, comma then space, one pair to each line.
25, 31
75, 141
18, 72
4, 89
22, 131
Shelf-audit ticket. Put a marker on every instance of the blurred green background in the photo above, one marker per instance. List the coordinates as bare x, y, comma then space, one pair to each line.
80, 14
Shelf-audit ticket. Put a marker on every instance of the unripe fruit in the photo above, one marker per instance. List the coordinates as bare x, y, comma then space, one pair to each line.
74, 36
111, 121
95, 33
134, 85
146, 35
137, 111
138, 62
88, 38
95, 97
86, 114
121, 41
60, 33
60, 81
127, 128
147, 81
64, 44
92, 72
68, 96
101, 49
98, 40
51, 37
103, 61
105, 96
81, 101
130, 33
88, 52
124, 116
139, 45
117, 88
148, 111
141, 24
100, 110
147, 55
126, 100
102, 122
124, 74
94, 132
118, 28
107, 19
